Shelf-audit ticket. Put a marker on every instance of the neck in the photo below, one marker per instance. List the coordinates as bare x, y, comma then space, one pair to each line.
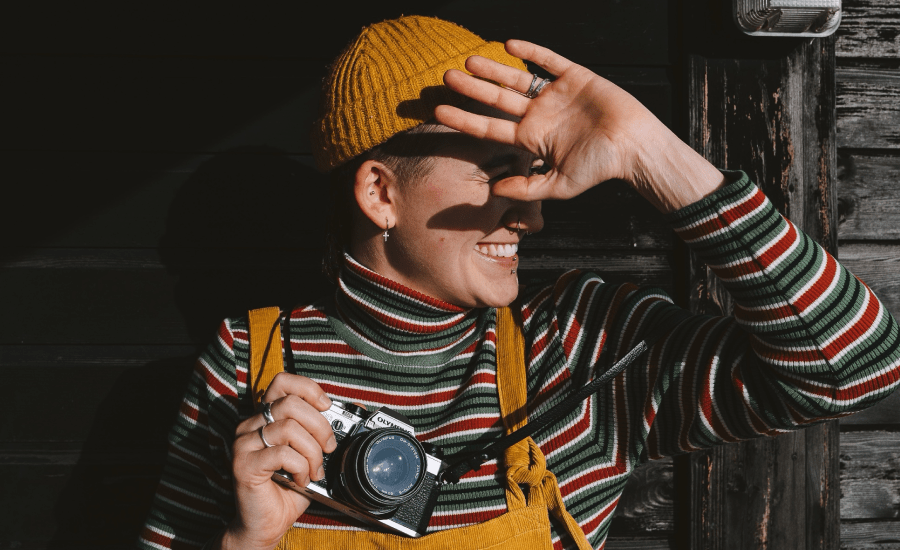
382, 314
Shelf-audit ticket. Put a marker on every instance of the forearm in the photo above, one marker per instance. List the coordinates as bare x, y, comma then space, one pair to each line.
807, 314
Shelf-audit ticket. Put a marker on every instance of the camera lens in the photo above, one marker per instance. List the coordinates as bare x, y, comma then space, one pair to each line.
383, 467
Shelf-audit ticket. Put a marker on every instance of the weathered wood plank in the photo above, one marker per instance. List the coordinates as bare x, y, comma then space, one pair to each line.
639, 543
75, 357
187, 105
53, 506
870, 483
875, 264
612, 217
185, 201
871, 499
870, 535
593, 32
868, 113
771, 114
885, 413
647, 505
870, 455
868, 202
92, 406
869, 28
181, 304
114, 103
174, 200
133, 299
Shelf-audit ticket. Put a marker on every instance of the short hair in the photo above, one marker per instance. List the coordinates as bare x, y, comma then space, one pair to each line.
409, 155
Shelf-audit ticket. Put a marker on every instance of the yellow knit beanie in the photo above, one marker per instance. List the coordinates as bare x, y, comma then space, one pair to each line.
389, 80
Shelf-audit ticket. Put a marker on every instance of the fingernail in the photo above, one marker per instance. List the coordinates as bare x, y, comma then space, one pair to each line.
323, 399
331, 444
321, 473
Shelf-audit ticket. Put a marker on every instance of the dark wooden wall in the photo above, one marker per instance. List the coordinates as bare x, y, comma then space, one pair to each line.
156, 166
868, 132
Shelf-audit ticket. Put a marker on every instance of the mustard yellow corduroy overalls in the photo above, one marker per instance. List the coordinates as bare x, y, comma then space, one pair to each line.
525, 526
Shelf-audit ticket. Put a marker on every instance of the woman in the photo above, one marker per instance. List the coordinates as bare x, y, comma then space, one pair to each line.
435, 211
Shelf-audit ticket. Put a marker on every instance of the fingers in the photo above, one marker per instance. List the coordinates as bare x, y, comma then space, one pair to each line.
487, 92
255, 463
548, 60
290, 384
293, 408
495, 129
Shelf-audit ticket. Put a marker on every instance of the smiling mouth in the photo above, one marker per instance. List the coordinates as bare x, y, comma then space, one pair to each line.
497, 250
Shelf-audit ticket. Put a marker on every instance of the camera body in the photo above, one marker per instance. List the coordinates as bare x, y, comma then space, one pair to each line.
379, 473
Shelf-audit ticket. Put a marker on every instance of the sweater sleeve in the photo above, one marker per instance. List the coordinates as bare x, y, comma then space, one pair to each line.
807, 340
194, 496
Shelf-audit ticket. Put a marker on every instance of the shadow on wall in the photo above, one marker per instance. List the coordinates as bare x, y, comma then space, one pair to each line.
246, 230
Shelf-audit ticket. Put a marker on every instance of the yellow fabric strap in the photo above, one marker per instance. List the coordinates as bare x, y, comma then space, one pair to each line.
525, 462
525, 527
264, 330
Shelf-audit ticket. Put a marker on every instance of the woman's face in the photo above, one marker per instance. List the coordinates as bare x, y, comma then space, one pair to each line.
454, 240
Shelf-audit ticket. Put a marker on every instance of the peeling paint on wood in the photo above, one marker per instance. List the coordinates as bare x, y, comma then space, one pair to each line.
777, 125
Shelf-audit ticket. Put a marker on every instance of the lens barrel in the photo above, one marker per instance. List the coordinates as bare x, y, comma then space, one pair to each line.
382, 468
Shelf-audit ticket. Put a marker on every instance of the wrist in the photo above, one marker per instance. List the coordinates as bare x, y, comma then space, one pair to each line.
230, 539
669, 173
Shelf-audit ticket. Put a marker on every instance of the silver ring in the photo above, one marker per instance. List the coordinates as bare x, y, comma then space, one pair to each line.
263, 437
267, 413
540, 87
531, 93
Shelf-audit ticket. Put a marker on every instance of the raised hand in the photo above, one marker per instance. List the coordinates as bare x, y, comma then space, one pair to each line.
586, 128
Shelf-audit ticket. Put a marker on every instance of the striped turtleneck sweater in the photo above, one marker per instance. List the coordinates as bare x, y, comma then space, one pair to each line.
807, 341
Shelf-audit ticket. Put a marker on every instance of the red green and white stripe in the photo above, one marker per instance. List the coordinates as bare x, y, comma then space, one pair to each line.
807, 341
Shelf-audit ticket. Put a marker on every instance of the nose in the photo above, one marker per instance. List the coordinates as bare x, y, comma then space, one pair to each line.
525, 217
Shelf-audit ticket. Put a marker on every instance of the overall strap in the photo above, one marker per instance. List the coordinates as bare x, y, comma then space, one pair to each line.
265, 350
525, 463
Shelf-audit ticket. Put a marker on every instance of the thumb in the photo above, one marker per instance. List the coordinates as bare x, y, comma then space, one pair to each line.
534, 188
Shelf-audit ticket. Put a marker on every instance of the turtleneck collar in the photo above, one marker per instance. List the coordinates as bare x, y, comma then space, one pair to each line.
393, 323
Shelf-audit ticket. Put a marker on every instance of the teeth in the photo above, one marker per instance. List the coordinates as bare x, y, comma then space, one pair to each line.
499, 250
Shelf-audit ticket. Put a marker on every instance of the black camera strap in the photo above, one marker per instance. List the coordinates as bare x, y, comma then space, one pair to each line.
473, 461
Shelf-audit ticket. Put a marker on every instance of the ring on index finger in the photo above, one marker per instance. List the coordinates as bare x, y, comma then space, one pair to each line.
267, 413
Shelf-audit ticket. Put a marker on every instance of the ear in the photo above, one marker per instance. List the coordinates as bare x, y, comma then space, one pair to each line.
374, 187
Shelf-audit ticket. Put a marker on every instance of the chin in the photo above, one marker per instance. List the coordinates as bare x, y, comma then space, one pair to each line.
503, 297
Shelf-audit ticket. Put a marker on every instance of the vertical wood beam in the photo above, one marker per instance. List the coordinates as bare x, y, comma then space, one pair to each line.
766, 106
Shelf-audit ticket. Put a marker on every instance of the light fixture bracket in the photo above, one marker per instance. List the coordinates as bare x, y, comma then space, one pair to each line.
814, 18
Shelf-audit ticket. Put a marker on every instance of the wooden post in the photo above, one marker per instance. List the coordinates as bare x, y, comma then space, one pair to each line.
766, 106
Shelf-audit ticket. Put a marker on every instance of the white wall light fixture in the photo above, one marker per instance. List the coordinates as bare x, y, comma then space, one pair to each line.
787, 17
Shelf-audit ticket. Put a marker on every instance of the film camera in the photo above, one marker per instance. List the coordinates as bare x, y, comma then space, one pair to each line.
379, 473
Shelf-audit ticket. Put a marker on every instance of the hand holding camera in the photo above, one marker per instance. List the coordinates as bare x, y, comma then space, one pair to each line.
298, 437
